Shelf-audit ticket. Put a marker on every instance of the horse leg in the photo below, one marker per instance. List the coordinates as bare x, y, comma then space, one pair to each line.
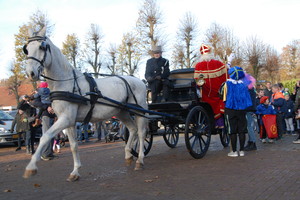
141, 124
31, 168
74, 176
130, 124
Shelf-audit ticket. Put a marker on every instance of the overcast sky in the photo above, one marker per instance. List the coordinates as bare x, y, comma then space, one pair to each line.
275, 22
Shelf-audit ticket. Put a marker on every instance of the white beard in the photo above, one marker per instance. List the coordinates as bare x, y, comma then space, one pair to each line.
206, 57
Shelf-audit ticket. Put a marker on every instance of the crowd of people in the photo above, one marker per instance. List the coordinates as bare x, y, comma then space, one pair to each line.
249, 108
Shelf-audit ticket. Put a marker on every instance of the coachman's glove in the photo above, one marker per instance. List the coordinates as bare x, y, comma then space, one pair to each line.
150, 79
157, 77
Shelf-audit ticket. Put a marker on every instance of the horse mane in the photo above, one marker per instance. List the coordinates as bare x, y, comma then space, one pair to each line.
67, 65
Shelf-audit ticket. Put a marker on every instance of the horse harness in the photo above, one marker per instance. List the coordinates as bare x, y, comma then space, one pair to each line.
94, 93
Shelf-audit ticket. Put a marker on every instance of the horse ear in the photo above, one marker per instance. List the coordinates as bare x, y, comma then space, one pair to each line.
30, 32
42, 32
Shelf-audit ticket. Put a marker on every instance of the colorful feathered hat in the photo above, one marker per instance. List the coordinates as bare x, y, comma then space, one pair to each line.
236, 73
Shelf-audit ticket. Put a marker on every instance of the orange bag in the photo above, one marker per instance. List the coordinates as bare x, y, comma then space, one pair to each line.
270, 126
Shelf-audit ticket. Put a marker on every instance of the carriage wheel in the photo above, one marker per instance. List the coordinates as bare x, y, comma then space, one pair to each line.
171, 136
224, 137
197, 132
147, 143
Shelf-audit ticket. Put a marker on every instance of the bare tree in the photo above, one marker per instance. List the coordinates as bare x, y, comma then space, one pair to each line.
290, 58
272, 65
37, 21
178, 57
71, 48
254, 52
185, 53
129, 54
94, 40
222, 40
112, 52
40, 19
148, 25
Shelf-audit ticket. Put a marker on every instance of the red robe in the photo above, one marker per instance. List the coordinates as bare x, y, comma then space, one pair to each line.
215, 73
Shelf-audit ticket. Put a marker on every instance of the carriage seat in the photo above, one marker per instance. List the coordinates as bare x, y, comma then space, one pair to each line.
182, 78
182, 85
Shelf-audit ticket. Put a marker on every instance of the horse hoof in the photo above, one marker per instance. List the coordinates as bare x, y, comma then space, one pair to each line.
73, 178
128, 161
29, 172
139, 166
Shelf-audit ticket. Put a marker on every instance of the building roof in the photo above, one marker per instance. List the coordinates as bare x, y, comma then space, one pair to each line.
8, 99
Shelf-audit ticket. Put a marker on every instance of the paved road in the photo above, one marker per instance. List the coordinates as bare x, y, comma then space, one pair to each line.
270, 173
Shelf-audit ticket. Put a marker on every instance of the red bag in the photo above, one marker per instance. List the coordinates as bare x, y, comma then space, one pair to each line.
270, 126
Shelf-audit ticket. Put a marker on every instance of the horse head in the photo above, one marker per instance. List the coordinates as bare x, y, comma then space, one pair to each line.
36, 50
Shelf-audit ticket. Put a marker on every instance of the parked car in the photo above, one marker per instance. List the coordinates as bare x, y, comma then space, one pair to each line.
5, 135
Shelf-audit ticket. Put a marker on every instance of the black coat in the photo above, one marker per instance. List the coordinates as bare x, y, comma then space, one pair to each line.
157, 67
288, 109
253, 99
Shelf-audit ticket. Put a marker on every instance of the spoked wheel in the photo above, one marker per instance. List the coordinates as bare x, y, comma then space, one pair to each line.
197, 132
171, 135
224, 137
147, 143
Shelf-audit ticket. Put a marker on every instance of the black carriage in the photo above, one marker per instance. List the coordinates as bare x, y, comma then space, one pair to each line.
184, 112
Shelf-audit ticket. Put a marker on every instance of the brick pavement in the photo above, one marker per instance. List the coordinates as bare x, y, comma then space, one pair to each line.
270, 173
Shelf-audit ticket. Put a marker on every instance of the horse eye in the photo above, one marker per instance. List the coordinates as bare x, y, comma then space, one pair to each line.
25, 49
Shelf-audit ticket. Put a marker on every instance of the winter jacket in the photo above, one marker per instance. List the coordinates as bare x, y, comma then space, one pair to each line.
288, 109
278, 102
253, 99
157, 67
44, 94
263, 109
21, 122
297, 99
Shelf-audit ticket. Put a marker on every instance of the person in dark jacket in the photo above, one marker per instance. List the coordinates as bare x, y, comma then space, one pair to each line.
31, 112
297, 111
268, 91
289, 114
21, 121
157, 73
251, 145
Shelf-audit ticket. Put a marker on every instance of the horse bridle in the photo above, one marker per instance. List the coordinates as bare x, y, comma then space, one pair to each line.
44, 46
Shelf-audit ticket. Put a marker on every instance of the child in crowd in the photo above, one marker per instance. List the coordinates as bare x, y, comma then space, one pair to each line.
56, 144
264, 108
289, 114
43, 96
260, 94
278, 102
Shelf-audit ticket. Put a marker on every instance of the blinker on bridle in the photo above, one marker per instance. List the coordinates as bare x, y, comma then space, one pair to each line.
44, 47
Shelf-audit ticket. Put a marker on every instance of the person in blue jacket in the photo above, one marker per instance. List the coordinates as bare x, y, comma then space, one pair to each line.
237, 99
264, 108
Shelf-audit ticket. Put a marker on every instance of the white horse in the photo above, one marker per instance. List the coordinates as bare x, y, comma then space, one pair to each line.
44, 57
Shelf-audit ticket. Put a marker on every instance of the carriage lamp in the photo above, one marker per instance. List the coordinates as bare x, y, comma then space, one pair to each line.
200, 81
